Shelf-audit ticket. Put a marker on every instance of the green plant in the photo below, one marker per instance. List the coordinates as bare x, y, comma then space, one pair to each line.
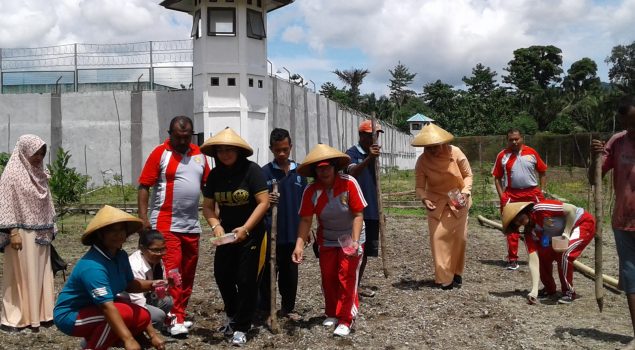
66, 184
4, 159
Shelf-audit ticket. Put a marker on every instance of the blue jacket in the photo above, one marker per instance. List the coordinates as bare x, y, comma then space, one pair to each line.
366, 181
291, 187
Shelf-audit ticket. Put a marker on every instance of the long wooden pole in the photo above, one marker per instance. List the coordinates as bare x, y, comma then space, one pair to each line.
380, 206
275, 327
597, 197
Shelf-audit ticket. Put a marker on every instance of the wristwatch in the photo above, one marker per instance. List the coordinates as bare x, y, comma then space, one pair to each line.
214, 227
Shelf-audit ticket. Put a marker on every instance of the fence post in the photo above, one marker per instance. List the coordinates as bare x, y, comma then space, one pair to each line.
151, 70
75, 78
1, 85
559, 151
480, 155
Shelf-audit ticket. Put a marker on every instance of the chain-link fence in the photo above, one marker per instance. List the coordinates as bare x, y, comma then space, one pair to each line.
152, 65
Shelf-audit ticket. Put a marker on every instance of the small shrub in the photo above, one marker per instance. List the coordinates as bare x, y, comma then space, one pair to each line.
66, 184
4, 159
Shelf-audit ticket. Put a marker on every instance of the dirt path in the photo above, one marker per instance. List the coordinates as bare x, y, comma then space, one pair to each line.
489, 312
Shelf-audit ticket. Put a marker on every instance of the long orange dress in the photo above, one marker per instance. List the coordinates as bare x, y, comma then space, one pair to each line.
447, 225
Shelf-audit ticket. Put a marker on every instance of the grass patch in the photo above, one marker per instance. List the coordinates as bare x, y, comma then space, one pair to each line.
415, 212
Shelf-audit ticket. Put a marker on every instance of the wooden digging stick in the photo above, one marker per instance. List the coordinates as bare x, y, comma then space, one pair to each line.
274, 326
597, 196
380, 207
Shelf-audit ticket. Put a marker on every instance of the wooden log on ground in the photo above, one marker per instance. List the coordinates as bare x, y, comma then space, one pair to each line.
587, 271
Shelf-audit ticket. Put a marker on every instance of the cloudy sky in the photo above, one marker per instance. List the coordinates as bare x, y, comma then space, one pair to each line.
437, 39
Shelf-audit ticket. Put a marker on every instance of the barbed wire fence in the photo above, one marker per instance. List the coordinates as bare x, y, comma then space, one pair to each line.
151, 65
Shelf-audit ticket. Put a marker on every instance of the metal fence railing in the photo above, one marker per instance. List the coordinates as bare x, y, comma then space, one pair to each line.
152, 65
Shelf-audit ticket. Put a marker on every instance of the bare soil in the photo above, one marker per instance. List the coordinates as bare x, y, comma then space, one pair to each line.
489, 312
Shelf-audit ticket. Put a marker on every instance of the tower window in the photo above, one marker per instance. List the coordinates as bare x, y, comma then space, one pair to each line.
196, 25
255, 25
260, 84
251, 82
221, 21
215, 81
231, 81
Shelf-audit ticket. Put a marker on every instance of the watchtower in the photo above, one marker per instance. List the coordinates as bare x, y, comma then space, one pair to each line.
230, 65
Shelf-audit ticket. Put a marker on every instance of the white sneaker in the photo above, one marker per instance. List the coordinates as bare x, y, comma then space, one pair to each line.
188, 324
342, 330
178, 329
329, 322
239, 338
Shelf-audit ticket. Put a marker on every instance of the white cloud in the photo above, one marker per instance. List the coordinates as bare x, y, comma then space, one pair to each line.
34, 23
293, 34
438, 39
441, 39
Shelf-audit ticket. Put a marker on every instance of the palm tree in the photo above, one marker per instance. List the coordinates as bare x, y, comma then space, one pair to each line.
352, 78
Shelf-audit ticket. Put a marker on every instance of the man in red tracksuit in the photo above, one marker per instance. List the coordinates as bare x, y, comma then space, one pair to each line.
176, 171
515, 179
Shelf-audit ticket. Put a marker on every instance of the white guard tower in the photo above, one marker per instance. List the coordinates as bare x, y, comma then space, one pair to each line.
230, 66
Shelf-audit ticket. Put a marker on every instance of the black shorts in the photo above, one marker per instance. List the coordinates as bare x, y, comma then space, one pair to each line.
372, 238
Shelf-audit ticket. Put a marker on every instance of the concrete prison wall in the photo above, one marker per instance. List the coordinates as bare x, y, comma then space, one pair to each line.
112, 133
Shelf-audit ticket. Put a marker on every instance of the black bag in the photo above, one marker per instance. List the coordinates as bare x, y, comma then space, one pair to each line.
57, 262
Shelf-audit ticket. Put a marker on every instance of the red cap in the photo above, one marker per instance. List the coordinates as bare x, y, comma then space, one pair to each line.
367, 126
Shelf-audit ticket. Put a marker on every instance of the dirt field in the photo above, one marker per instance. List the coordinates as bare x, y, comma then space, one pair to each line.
489, 312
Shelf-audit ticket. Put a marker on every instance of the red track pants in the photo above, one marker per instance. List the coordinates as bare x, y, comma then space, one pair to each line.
340, 274
182, 254
586, 228
91, 324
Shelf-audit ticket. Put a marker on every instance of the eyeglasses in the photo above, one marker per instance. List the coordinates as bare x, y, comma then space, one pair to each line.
157, 250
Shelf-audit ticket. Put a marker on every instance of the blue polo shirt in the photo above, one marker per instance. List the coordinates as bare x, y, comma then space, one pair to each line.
96, 279
367, 182
291, 186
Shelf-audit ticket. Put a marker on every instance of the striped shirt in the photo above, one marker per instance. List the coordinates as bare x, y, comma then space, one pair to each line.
333, 208
518, 170
550, 220
176, 180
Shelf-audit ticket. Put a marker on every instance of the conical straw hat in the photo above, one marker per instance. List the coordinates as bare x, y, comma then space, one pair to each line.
227, 137
431, 135
107, 216
510, 211
319, 153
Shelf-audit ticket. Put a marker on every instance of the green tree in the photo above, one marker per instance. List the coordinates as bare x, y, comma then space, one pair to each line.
66, 184
534, 68
622, 71
330, 91
582, 77
353, 78
482, 82
534, 72
401, 79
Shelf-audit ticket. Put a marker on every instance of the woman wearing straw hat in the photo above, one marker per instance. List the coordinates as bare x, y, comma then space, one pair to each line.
554, 232
239, 188
88, 306
338, 202
444, 184
27, 227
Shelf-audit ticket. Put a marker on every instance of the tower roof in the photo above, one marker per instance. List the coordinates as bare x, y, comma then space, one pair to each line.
420, 118
188, 5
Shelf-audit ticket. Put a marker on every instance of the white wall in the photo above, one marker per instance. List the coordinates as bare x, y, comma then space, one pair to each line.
89, 121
